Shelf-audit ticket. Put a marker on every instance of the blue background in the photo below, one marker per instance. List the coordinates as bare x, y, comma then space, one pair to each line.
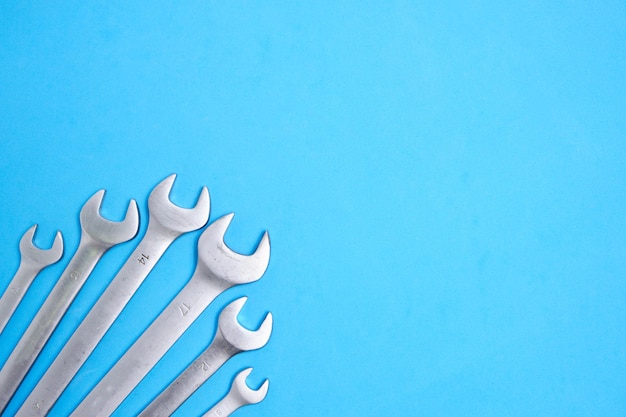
443, 185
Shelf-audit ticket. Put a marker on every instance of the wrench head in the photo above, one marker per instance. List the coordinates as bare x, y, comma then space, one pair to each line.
174, 219
37, 256
105, 232
238, 336
218, 261
246, 394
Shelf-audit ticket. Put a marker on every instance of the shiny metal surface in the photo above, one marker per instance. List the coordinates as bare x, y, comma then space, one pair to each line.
238, 396
167, 222
97, 236
218, 269
230, 339
32, 261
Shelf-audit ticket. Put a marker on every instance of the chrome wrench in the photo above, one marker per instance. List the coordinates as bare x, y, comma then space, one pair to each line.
166, 223
231, 339
97, 236
218, 269
238, 396
33, 260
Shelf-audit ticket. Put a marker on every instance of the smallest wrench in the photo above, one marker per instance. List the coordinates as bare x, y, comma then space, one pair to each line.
240, 394
32, 261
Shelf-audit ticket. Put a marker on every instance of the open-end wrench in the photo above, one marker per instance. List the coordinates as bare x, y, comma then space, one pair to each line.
238, 396
231, 338
97, 236
167, 222
33, 260
218, 269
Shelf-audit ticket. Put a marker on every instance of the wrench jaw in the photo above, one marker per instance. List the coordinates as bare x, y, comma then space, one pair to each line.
173, 219
103, 232
37, 256
220, 263
237, 336
244, 393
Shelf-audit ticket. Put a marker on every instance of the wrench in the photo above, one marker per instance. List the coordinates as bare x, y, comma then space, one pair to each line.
32, 261
167, 222
218, 269
97, 236
230, 339
238, 396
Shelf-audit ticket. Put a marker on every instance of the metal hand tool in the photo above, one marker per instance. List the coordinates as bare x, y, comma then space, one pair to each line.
97, 236
218, 269
230, 339
167, 222
33, 260
238, 396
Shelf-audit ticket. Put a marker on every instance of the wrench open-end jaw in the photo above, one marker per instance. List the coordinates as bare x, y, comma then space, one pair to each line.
238, 337
37, 257
218, 269
247, 394
97, 236
32, 261
173, 219
220, 265
231, 338
167, 221
240, 394
103, 232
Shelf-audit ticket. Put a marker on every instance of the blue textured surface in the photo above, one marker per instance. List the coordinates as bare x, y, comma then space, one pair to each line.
443, 185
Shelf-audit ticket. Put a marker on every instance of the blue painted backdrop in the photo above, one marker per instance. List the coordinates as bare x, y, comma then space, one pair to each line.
443, 185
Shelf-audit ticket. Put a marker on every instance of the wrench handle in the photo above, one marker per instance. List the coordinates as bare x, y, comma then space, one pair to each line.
224, 407
16, 290
191, 378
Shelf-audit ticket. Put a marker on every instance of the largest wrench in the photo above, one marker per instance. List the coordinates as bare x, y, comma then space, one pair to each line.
218, 268
97, 236
167, 222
